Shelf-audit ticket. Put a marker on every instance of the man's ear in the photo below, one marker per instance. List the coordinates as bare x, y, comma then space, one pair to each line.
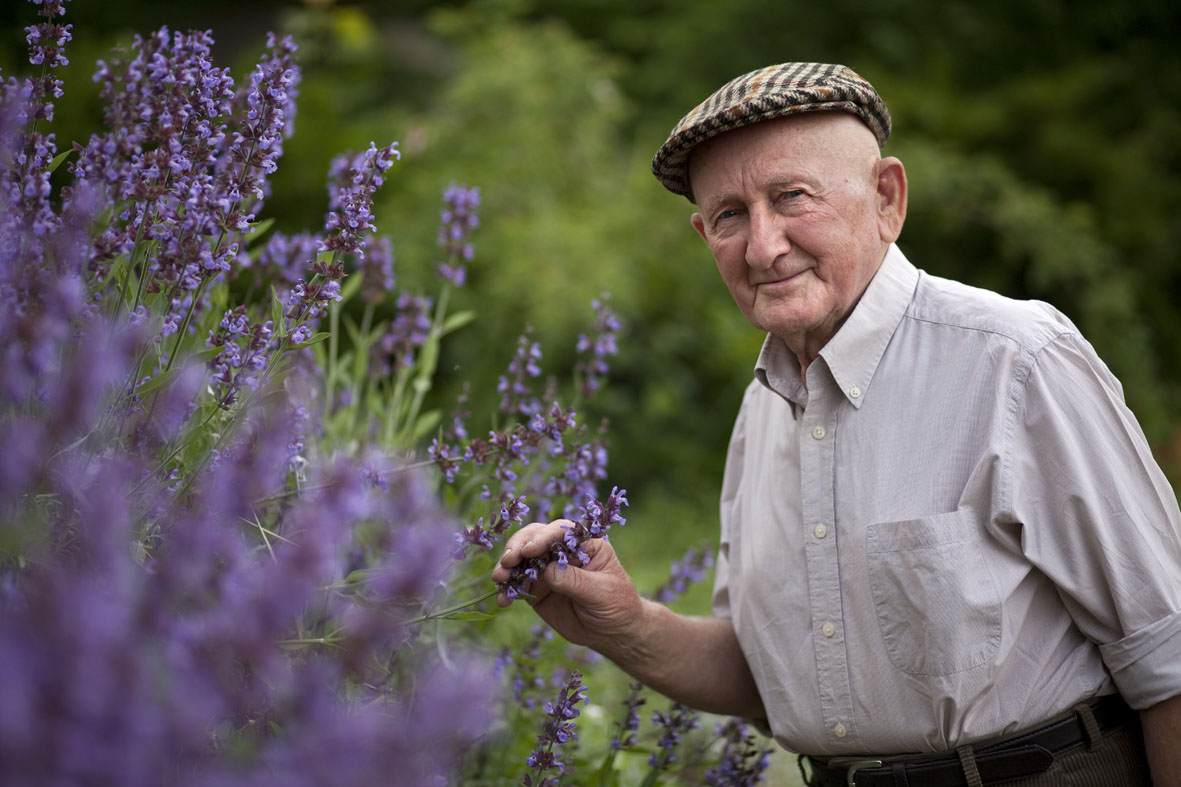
698, 222
891, 192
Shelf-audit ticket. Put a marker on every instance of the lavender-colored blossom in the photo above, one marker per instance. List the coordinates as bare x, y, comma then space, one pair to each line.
516, 395
265, 116
408, 331
693, 567
245, 351
743, 764
558, 729
459, 220
522, 663
352, 183
287, 259
171, 602
592, 366
47, 41
625, 731
596, 521
675, 723
377, 269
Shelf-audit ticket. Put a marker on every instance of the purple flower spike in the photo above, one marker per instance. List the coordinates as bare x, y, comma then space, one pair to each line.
693, 567
459, 220
352, 182
743, 763
516, 395
625, 734
678, 721
592, 367
557, 729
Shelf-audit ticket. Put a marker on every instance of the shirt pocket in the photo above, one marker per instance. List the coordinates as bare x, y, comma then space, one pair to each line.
935, 600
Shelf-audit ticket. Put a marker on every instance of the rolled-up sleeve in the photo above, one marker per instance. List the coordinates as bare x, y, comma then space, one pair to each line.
1097, 515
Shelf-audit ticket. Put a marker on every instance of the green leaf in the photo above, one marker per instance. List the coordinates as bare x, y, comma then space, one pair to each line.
456, 321
352, 285
204, 356
426, 424
58, 159
651, 779
316, 338
258, 229
158, 381
279, 324
360, 575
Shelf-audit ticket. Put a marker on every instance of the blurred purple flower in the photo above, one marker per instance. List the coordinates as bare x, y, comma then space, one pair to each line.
678, 721
693, 567
377, 269
743, 764
408, 331
592, 368
625, 733
458, 220
516, 395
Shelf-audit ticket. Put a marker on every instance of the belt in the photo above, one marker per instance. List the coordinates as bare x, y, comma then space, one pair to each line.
1024, 754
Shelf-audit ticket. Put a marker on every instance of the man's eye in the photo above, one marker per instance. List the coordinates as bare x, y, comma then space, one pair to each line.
792, 194
727, 214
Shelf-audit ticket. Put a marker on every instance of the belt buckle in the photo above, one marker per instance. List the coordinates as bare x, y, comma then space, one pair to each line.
858, 765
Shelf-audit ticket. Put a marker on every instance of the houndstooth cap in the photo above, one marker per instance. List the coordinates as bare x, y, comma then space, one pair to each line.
771, 92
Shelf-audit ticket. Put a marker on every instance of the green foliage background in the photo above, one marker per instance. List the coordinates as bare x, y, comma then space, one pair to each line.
1040, 137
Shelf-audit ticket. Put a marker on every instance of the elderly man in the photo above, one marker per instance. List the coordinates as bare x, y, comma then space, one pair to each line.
947, 555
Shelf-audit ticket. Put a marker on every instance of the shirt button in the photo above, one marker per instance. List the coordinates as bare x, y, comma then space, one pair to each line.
855, 392
840, 730
818, 432
821, 531
828, 629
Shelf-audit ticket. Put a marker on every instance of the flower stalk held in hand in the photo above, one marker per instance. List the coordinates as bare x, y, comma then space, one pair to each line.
596, 520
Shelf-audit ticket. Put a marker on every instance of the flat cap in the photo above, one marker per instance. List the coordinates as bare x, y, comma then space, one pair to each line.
771, 92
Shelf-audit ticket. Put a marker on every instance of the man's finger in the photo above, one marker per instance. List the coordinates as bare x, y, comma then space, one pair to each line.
531, 541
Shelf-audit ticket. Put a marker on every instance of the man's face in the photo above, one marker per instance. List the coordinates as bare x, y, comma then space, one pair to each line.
790, 209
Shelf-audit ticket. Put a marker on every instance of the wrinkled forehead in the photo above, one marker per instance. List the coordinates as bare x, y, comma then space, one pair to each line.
817, 145
784, 90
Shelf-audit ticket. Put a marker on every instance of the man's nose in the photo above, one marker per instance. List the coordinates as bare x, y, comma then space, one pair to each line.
767, 240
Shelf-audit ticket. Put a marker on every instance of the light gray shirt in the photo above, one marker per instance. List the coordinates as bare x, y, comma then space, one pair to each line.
953, 531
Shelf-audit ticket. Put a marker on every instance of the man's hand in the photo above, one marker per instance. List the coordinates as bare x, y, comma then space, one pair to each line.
596, 605
694, 660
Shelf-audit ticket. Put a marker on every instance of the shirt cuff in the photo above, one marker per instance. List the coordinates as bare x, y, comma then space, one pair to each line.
1146, 665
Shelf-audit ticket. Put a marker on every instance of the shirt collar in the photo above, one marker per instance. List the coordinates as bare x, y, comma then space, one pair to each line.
852, 355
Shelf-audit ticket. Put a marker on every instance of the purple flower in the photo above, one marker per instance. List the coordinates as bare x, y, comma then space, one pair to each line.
352, 183
596, 521
265, 116
693, 567
47, 41
557, 729
377, 269
287, 259
409, 330
676, 722
516, 395
743, 763
459, 220
625, 733
593, 366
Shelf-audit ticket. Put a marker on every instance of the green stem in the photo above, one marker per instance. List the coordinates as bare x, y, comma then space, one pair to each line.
429, 360
361, 354
454, 608
312, 641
